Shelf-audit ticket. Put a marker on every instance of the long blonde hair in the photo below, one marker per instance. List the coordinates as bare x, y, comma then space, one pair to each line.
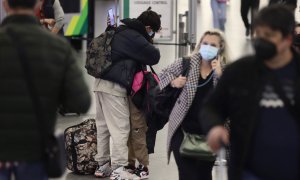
223, 46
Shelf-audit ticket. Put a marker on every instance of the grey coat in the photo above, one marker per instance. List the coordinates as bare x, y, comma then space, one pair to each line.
187, 95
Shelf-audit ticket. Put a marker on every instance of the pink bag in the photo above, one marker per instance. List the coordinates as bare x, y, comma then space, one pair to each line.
138, 81
143, 82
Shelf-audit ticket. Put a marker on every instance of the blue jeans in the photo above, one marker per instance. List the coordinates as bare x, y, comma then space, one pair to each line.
24, 171
219, 14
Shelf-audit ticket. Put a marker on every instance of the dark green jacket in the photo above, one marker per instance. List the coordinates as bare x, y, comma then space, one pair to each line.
57, 78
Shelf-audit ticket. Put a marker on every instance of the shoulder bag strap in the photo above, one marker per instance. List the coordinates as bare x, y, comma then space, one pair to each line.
186, 61
40, 118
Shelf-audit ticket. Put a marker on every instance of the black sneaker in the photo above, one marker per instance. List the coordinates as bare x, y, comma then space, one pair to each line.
142, 172
130, 168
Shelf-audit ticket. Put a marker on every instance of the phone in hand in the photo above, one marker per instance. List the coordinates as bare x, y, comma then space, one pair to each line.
111, 17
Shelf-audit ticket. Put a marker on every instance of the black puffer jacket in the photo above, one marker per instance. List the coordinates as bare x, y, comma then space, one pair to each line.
57, 78
131, 48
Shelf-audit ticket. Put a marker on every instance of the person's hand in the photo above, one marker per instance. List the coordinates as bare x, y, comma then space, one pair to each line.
216, 137
50, 22
216, 65
108, 22
179, 82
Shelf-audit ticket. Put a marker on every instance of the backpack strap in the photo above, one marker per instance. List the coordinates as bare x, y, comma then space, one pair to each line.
186, 61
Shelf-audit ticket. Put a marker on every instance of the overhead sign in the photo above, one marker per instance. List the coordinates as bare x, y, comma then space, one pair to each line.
78, 24
133, 8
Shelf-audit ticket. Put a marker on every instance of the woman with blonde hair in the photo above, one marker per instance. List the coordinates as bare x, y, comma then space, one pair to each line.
206, 64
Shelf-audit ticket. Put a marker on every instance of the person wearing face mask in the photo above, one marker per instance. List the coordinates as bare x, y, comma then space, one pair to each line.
206, 64
116, 116
260, 96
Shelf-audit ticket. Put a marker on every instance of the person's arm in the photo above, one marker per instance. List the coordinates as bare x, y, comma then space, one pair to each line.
170, 73
136, 47
214, 112
75, 94
59, 16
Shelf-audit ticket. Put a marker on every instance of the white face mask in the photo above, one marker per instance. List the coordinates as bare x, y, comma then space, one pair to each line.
150, 33
208, 52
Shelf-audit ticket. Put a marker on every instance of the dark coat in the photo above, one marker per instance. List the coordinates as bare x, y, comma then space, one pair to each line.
58, 81
131, 48
237, 97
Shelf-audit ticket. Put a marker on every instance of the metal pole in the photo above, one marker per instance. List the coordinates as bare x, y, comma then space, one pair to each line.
176, 29
192, 19
116, 10
91, 21
181, 35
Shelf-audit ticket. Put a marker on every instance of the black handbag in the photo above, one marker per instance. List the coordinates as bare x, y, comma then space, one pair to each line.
165, 99
52, 145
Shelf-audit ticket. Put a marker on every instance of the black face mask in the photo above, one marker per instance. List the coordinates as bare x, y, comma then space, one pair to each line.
264, 50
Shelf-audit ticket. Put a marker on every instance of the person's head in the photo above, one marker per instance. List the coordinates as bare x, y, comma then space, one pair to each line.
151, 21
296, 40
12, 6
297, 28
212, 44
274, 28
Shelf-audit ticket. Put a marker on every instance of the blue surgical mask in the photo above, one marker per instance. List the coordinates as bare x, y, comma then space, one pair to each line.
150, 33
208, 52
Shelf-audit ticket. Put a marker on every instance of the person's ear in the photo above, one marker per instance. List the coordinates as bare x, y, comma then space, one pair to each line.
290, 39
287, 41
148, 28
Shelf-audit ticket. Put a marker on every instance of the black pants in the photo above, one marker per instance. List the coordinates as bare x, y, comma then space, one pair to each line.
245, 7
189, 168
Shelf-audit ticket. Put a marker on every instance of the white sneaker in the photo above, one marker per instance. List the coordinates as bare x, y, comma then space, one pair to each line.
115, 175
121, 174
125, 175
103, 170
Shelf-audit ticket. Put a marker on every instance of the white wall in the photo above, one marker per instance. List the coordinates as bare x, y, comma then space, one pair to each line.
101, 8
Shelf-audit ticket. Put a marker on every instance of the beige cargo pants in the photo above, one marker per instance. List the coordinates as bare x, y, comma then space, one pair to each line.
137, 145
